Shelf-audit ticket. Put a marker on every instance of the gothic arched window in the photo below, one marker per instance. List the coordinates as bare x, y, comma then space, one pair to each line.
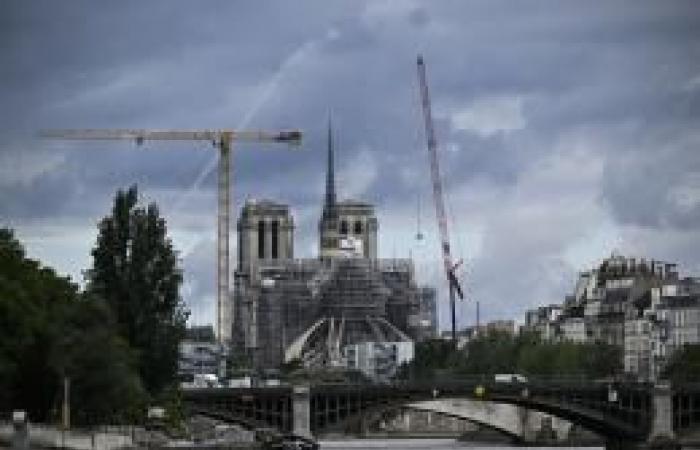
275, 239
358, 227
261, 239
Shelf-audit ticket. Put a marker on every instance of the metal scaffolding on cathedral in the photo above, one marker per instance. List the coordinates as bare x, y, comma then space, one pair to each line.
318, 309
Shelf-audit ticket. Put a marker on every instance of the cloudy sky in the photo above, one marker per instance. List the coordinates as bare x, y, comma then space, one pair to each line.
567, 130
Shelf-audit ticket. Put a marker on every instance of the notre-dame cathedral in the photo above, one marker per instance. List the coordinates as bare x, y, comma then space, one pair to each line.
311, 309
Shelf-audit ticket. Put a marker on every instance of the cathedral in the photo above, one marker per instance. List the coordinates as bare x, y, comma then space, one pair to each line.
318, 310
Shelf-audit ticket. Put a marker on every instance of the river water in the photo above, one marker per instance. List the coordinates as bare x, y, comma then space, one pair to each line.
426, 444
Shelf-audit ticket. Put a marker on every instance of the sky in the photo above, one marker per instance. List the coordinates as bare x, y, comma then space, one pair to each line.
566, 130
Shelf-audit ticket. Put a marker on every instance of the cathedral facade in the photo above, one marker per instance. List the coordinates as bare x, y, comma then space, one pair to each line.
313, 309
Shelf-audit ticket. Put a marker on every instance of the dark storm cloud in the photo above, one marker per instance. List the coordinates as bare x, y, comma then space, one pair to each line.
663, 170
559, 123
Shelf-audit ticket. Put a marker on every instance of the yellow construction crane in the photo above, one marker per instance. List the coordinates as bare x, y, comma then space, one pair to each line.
223, 140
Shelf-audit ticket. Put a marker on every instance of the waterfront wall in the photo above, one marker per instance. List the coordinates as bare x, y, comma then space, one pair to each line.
104, 438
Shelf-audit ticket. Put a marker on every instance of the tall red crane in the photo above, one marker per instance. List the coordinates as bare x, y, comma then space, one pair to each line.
452, 283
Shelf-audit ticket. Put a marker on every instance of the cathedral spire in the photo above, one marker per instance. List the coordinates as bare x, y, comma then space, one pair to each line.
329, 205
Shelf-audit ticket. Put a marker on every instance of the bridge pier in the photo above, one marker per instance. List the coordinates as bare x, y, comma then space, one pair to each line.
662, 420
661, 435
528, 433
301, 411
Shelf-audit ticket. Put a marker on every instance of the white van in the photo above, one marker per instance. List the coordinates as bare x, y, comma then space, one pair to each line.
509, 378
206, 380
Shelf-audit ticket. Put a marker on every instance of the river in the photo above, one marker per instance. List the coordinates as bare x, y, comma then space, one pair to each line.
425, 444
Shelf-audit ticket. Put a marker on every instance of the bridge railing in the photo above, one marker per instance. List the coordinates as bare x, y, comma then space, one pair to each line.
623, 407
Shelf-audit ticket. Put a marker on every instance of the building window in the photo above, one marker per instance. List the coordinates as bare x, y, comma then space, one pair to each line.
343, 227
275, 239
261, 239
358, 227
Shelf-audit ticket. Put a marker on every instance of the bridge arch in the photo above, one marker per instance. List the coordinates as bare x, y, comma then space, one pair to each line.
249, 425
609, 421
521, 424
359, 423
507, 431
327, 406
514, 437
592, 420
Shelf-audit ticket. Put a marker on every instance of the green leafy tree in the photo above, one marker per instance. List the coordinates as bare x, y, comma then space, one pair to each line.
50, 330
30, 297
603, 360
105, 386
537, 359
684, 365
499, 352
489, 353
135, 269
431, 358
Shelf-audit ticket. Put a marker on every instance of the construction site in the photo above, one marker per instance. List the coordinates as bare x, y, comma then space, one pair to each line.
345, 308
314, 310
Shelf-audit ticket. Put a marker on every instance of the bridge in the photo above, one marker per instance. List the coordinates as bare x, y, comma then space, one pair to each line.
627, 415
522, 425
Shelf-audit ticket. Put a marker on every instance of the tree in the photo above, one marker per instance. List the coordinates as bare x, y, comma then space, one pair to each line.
433, 358
684, 364
100, 365
537, 359
603, 360
135, 269
491, 352
51, 330
30, 295
500, 352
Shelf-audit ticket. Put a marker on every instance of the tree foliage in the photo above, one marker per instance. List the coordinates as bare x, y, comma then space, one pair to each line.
100, 364
30, 295
499, 352
432, 357
50, 330
113, 342
684, 365
135, 270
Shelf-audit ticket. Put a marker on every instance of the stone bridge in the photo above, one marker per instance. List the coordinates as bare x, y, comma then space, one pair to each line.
522, 424
625, 414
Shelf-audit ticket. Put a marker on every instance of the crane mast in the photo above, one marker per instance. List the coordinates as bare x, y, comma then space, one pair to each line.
223, 141
438, 198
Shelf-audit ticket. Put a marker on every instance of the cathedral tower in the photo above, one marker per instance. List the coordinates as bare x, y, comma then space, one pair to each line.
265, 234
347, 228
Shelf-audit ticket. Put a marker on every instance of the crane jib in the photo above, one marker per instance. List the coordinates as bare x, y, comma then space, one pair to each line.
222, 139
437, 192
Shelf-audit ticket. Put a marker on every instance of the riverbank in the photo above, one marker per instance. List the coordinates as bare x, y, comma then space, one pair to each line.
47, 437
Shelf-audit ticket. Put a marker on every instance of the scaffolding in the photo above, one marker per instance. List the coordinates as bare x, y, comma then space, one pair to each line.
356, 299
